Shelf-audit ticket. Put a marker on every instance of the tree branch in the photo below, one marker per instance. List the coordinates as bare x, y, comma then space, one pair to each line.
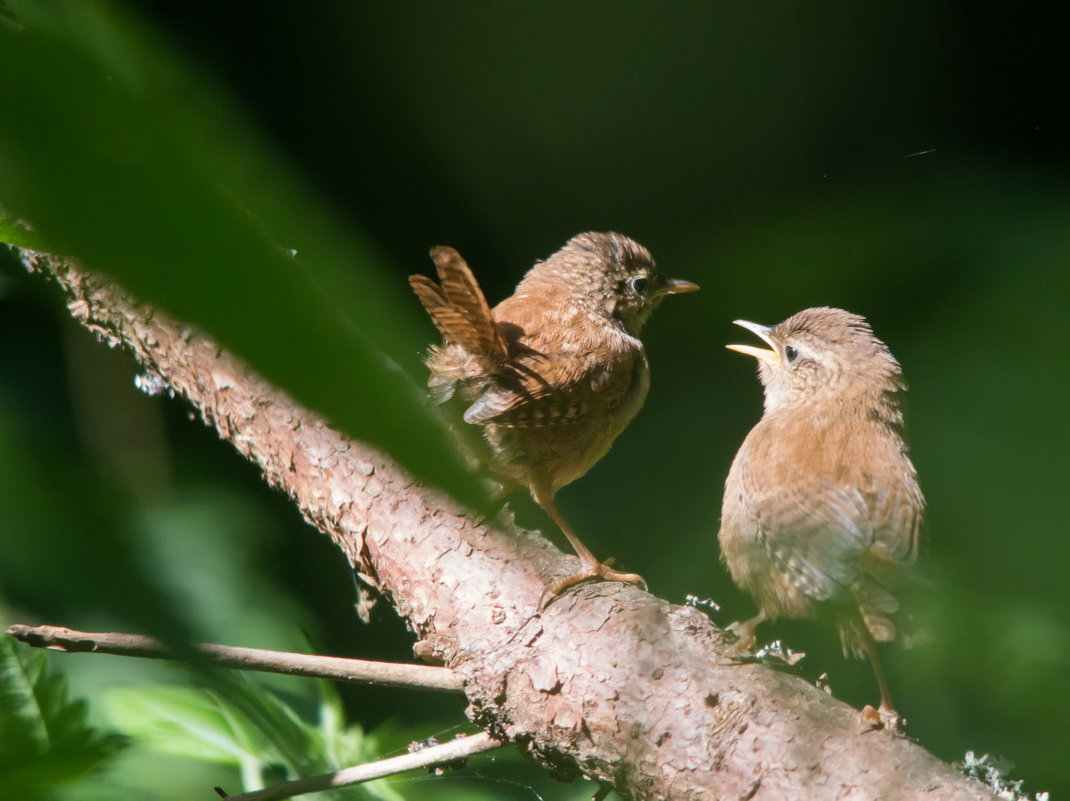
607, 681
424, 758
416, 677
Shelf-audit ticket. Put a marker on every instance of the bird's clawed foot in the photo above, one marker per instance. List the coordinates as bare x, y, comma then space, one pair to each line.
590, 570
745, 635
884, 717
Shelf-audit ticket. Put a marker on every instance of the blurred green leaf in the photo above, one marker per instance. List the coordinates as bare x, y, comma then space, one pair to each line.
130, 160
44, 737
185, 721
196, 724
18, 235
249, 727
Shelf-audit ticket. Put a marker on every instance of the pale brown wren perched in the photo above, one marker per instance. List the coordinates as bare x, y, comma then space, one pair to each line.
822, 507
553, 373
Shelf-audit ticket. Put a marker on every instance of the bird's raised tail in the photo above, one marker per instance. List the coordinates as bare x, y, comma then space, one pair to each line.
873, 617
459, 310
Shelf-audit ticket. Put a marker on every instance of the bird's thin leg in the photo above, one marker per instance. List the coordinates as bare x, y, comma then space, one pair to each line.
590, 567
885, 715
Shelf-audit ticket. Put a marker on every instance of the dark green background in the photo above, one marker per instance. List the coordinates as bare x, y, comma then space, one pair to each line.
906, 161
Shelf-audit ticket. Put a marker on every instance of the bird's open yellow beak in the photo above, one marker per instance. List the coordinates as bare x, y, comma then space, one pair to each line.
770, 357
675, 286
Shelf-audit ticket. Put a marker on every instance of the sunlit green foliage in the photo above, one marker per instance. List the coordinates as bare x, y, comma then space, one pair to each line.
45, 738
254, 731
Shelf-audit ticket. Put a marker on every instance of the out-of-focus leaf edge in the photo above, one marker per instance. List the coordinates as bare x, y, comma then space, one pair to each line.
17, 234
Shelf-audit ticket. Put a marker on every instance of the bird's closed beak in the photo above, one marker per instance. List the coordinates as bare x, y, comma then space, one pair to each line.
675, 286
770, 357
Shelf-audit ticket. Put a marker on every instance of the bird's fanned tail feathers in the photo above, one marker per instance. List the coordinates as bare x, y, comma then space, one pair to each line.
459, 309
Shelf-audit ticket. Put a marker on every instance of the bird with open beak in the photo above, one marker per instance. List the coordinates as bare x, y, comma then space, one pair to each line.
822, 507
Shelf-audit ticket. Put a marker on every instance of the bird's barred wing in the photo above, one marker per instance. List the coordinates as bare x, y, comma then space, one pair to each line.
815, 532
538, 390
897, 514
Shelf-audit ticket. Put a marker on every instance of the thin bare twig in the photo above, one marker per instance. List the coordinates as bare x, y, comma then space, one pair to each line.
418, 677
426, 757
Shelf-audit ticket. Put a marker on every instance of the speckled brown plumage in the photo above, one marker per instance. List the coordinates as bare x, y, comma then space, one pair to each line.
554, 373
822, 507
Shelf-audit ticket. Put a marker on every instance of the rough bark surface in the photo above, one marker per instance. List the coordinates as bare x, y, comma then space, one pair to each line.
608, 681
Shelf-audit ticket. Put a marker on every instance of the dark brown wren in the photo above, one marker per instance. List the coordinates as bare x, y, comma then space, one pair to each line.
553, 373
821, 506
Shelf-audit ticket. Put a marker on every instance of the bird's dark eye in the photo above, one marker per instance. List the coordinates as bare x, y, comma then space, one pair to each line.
639, 284
791, 353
